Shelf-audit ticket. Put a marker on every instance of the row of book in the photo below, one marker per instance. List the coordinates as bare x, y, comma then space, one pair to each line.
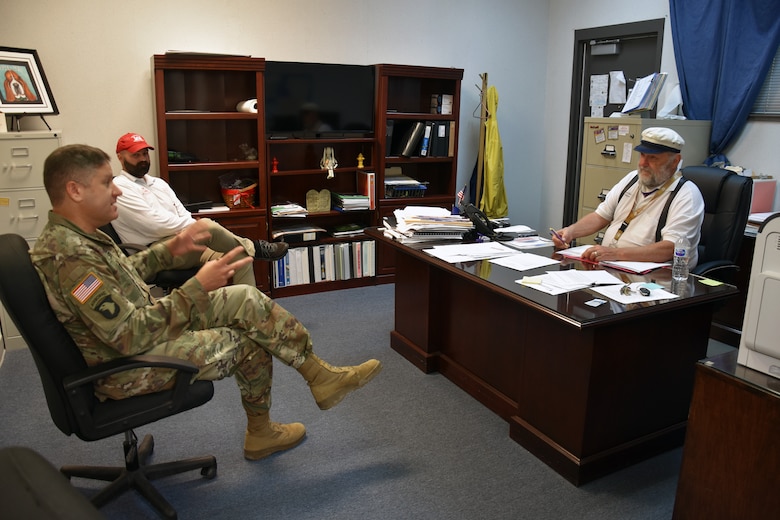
422, 139
350, 201
325, 263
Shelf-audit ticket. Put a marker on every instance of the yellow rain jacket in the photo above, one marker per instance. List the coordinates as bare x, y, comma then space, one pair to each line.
493, 201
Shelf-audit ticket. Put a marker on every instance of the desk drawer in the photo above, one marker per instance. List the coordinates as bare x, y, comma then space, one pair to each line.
596, 181
21, 161
24, 212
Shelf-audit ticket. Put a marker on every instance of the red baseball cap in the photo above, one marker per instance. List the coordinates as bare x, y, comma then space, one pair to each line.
132, 143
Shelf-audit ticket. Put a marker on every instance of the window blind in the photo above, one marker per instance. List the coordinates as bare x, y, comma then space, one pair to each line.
768, 101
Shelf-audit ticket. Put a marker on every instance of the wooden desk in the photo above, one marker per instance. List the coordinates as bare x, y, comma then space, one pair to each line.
587, 390
731, 456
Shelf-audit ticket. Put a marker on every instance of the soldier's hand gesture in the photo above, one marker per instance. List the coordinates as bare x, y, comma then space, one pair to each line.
217, 273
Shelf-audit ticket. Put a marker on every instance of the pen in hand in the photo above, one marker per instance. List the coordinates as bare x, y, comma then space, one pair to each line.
559, 237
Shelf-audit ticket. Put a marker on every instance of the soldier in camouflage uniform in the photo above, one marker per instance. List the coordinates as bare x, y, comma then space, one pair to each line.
100, 296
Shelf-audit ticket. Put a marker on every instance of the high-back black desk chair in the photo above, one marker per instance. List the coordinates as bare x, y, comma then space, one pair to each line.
68, 386
727, 198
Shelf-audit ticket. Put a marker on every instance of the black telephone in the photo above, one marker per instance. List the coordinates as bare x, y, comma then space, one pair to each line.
483, 225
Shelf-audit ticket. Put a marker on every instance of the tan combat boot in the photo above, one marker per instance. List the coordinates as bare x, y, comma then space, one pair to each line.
264, 437
330, 384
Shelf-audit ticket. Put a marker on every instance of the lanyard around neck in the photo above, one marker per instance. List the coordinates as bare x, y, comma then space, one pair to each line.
636, 211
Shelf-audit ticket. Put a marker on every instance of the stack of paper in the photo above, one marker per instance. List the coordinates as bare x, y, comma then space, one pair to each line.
349, 201
422, 223
645, 93
631, 267
289, 209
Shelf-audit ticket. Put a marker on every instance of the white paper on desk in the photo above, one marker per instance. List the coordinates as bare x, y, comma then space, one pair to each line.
560, 282
528, 242
613, 293
574, 252
634, 267
426, 211
515, 229
631, 267
467, 252
524, 261
759, 218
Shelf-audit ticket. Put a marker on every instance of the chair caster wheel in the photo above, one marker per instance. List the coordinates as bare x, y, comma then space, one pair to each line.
209, 472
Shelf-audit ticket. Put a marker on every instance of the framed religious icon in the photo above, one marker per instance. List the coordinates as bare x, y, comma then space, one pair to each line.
25, 89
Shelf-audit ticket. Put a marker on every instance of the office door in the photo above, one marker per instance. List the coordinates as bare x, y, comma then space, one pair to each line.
633, 48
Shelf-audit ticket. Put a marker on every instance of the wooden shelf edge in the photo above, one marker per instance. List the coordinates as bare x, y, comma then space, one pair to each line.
217, 165
339, 170
198, 115
310, 288
417, 116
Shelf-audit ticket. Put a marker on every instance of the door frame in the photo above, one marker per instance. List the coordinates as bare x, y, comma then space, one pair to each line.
579, 96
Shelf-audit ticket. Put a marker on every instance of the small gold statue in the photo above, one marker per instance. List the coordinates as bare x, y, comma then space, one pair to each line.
360, 160
328, 161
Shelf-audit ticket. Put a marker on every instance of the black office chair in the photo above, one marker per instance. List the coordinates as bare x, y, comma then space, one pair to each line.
30, 487
727, 198
166, 280
68, 386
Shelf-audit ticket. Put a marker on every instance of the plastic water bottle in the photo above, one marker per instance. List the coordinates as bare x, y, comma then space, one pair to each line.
680, 263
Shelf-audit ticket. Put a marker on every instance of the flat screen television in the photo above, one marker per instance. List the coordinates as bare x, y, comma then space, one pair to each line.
318, 100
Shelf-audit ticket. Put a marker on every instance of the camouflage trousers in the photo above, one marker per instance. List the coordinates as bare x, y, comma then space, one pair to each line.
220, 243
238, 336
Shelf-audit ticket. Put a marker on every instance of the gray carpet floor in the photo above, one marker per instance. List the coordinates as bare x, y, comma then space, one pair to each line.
406, 446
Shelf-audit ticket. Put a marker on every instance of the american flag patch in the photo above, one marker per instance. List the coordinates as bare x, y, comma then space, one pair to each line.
86, 288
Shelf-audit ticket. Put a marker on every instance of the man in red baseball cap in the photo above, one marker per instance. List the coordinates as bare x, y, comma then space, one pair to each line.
150, 211
132, 143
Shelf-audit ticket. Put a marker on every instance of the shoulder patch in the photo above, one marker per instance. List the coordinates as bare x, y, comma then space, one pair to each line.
87, 288
107, 308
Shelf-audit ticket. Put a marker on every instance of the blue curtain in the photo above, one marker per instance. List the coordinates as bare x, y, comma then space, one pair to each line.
723, 50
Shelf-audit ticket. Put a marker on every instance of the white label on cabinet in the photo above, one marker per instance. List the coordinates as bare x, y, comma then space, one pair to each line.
627, 149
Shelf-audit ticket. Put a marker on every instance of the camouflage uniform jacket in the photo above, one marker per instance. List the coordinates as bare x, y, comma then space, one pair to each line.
100, 296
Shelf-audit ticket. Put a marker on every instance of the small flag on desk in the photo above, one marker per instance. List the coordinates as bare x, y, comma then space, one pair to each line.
86, 288
459, 200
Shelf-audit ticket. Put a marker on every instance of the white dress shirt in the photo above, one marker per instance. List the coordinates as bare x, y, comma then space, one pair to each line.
148, 210
686, 214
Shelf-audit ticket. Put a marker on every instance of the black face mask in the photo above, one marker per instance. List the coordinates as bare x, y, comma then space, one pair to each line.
137, 170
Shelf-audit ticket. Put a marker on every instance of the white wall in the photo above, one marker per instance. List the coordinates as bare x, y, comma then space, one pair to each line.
97, 56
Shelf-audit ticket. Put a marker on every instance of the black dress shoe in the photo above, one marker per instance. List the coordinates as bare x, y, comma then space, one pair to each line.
270, 250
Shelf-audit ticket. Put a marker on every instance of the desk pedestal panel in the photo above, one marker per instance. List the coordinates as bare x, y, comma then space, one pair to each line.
731, 456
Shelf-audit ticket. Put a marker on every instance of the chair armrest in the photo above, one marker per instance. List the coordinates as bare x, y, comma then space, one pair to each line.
92, 374
715, 266
129, 248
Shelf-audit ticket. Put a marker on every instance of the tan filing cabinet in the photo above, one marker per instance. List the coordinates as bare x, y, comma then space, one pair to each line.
24, 204
608, 154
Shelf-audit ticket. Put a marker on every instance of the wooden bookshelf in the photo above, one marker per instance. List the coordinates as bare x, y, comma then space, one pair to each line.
201, 135
403, 97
